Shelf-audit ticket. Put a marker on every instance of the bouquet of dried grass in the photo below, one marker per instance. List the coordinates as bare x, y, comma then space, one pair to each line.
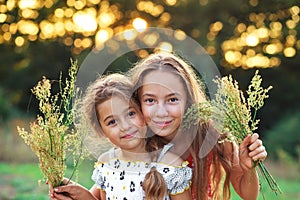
53, 135
233, 114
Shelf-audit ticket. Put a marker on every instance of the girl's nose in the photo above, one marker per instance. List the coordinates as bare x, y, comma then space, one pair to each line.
124, 124
161, 110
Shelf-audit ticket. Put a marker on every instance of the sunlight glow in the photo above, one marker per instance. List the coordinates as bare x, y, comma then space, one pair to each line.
84, 22
139, 24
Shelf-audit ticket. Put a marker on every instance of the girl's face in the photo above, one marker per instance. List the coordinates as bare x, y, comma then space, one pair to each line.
163, 100
122, 124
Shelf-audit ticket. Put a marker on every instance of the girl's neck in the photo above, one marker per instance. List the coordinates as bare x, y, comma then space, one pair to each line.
134, 155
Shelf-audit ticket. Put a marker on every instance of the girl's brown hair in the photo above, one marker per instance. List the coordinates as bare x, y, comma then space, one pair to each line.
104, 88
170, 62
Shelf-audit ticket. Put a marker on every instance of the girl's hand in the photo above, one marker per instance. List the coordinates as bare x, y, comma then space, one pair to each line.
251, 150
71, 191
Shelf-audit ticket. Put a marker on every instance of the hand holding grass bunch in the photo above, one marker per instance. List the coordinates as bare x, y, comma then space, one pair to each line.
235, 115
52, 135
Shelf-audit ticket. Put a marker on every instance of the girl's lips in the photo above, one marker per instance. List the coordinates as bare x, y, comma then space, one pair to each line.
162, 124
129, 135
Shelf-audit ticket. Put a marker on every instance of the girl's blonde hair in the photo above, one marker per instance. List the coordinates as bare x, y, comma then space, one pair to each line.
172, 63
105, 88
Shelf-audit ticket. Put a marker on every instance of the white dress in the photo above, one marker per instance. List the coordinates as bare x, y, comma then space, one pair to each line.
122, 179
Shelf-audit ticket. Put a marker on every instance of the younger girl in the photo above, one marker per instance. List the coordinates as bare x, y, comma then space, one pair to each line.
166, 86
124, 171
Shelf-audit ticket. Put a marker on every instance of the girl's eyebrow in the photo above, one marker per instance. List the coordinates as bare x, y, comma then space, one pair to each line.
124, 111
168, 95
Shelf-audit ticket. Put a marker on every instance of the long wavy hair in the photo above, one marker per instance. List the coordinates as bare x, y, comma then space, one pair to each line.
172, 63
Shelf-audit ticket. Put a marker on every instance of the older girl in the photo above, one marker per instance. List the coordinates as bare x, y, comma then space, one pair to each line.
165, 87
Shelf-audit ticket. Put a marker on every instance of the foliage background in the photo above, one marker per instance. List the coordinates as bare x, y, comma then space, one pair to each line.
38, 38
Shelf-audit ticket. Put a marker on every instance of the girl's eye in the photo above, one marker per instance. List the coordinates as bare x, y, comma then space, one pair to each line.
111, 122
173, 99
131, 113
149, 100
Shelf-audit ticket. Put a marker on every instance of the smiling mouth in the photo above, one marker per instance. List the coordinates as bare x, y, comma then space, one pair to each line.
163, 124
129, 135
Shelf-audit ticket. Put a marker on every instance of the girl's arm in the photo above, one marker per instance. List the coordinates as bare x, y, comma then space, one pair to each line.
244, 177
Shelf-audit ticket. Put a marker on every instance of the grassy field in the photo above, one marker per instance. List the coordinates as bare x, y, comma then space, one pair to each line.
21, 181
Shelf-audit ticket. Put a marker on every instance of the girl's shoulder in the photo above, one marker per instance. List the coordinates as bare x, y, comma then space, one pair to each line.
172, 159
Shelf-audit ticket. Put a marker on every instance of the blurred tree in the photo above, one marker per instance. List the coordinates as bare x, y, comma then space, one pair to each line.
38, 38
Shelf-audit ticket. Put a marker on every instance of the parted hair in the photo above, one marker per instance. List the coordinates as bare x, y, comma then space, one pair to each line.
170, 62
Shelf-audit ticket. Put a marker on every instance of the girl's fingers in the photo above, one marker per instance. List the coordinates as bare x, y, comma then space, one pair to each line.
259, 153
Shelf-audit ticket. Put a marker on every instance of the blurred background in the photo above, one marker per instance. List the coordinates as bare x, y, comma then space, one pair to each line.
38, 38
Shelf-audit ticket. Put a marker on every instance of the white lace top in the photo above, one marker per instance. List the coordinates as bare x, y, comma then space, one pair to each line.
122, 180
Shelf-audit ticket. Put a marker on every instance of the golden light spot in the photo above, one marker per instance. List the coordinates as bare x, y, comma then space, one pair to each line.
60, 28
211, 50
59, 13
216, 27
165, 46
232, 56
47, 29
84, 22
291, 40
28, 4
69, 26
179, 35
95, 2
86, 43
271, 49
295, 10
250, 53
3, 17
241, 27
142, 53
290, 24
77, 43
48, 3
275, 62
130, 34
276, 26
79, 4
258, 61
69, 12
102, 36
19, 41
70, 3
28, 27
171, 2
3, 9
28, 13
68, 41
7, 36
165, 17
13, 28
10, 4
106, 19
32, 37
252, 40
157, 10
263, 32
289, 52
139, 24
151, 39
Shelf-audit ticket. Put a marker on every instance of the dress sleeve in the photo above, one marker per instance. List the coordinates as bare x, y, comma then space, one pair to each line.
98, 177
179, 180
